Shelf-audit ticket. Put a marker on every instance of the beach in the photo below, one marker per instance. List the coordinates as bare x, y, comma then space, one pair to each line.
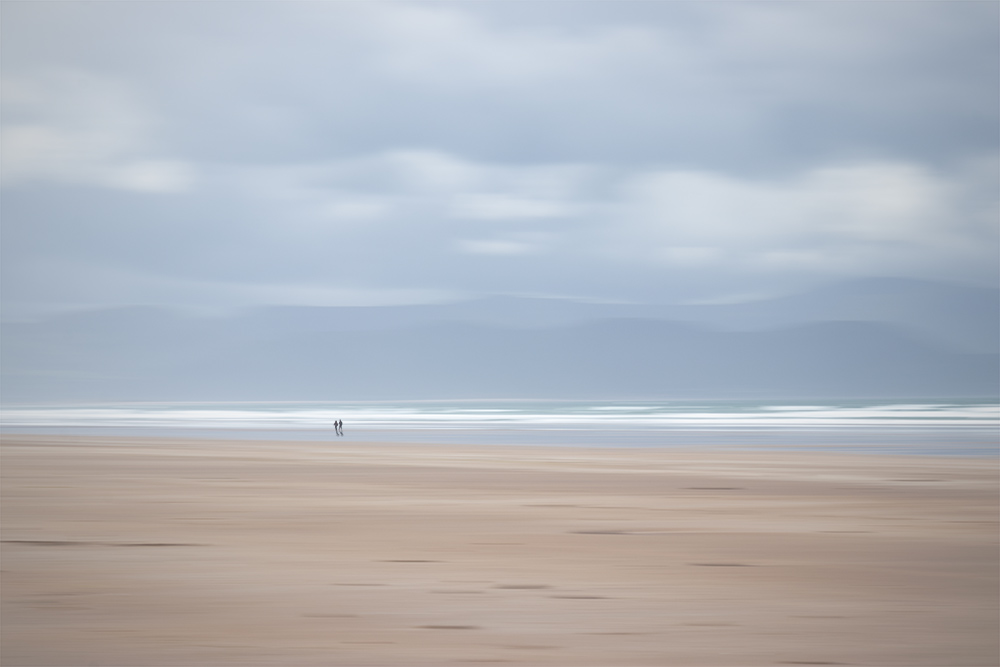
162, 552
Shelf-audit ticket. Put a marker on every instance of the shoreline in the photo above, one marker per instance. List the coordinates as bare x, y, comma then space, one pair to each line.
155, 552
938, 442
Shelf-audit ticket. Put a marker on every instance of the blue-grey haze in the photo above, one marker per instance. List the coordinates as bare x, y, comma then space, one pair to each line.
887, 338
434, 199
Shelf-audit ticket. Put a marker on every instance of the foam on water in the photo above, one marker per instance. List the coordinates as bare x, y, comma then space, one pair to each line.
956, 424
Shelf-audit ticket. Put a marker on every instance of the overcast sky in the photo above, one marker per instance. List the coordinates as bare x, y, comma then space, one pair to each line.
226, 154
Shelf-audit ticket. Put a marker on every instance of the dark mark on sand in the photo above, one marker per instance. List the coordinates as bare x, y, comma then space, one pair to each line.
65, 543
357, 584
716, 488
158, 544
712, 625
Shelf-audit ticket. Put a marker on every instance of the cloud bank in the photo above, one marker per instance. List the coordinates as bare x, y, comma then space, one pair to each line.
223, 155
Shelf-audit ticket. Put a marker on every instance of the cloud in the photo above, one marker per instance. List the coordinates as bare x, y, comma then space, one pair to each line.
679, 256
504, 207
76, 127
496, 247
747, 86
449, 47
629, 151
850, 219
150, 176
381, 225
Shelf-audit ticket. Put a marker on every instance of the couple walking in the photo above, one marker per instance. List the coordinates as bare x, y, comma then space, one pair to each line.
338, 427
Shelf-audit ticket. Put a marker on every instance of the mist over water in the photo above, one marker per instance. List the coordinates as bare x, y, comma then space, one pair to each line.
954, 426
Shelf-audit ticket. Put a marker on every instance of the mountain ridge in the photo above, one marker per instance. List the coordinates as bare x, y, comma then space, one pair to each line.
511, 346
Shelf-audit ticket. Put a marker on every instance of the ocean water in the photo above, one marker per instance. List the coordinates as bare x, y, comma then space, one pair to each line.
946, 427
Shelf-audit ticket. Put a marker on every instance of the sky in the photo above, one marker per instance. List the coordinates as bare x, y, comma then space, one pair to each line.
221, 155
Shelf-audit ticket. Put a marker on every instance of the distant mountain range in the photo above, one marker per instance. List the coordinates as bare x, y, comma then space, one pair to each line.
864, 338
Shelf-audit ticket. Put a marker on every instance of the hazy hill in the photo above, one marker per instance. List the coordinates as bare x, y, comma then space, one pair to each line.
611, 358
805, 345
961, 317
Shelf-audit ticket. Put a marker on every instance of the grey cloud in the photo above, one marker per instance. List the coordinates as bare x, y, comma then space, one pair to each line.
219, 153
437, 224
753, 85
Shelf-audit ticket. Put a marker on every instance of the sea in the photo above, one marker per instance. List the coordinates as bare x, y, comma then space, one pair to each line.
946, 427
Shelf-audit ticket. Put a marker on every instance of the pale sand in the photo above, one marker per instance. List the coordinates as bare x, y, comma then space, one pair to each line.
159, 552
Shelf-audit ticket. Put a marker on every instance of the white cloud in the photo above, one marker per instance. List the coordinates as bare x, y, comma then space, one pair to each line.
623, 151
351, 207
76, 127
363, 231
445, 46
496, 247
503, 207
425, 170
404, 187
844, 217
149, 176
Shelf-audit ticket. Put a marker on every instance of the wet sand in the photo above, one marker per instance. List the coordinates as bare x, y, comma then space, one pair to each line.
131, 552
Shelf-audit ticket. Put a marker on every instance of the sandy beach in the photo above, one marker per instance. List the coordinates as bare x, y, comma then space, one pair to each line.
158, 552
